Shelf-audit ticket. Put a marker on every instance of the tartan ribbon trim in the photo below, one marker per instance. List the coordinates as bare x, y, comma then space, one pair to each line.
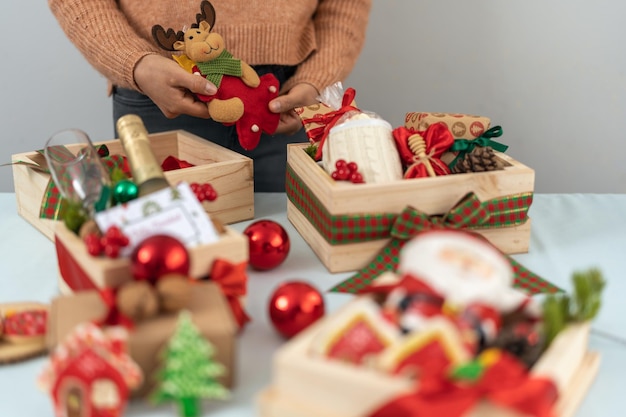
388, 258
469, 213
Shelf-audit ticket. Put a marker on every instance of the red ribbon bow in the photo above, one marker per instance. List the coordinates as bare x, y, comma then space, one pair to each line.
232, 280
505, 383
330, 119
437, 140
113, 316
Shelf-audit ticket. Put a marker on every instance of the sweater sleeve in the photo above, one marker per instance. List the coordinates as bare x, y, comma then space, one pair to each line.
340, 27
104, 36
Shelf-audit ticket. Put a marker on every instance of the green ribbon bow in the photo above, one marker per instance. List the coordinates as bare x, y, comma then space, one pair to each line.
465, 146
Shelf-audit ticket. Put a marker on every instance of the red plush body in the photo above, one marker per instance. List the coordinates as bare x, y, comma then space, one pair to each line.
256, 111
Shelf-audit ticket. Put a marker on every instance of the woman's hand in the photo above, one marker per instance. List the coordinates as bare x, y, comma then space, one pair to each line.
171, 87
300, 95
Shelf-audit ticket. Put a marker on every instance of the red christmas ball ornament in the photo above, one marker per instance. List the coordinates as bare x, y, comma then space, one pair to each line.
158, 255
268, 243
295, 305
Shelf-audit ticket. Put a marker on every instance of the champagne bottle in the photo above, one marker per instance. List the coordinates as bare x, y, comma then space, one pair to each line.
146, 171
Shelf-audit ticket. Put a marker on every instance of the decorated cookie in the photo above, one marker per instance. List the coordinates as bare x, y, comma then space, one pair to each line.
22, 330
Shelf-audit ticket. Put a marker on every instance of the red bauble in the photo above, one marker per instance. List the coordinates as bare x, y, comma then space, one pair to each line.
269, 244
158, 255
294, 306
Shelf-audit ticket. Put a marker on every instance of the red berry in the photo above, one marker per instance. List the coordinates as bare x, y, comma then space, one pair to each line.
93, 244
112, 250
211, 195
356, 177
353, 167
334, 176
343, 173
340, 163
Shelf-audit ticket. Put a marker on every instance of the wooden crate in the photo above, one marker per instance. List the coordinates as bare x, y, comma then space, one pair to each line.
432, 196
227, 171
78, 270
307, 386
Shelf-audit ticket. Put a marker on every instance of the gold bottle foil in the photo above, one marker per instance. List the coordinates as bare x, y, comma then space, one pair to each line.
145, 168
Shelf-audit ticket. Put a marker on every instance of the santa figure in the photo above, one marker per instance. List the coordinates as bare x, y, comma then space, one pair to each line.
457, 275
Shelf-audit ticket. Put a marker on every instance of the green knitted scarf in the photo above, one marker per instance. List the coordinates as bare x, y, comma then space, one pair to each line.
224, 64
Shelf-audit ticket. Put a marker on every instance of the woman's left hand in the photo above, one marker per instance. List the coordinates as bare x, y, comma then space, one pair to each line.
300, 95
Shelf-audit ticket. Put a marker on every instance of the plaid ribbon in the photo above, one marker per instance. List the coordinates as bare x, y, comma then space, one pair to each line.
53, 203
470, 213
406, 227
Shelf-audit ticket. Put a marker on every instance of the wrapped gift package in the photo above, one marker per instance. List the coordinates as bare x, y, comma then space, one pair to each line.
209, 310
307, 384
462, 126
348, 224
78, 270
228, 172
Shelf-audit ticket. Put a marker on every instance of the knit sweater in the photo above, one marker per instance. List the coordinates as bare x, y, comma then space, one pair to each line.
322, 37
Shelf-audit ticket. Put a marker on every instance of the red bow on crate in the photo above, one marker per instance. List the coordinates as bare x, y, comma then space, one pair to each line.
502, 380
232, 279
421, 150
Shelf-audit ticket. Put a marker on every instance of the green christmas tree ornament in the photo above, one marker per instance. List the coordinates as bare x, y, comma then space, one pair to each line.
188, 372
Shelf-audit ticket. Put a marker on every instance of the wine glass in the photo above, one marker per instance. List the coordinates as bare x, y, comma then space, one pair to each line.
77, 170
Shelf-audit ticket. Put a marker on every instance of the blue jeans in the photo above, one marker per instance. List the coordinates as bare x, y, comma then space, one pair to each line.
270, 156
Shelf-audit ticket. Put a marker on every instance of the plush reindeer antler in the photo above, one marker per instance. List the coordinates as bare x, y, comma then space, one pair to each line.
207, 14
166, 39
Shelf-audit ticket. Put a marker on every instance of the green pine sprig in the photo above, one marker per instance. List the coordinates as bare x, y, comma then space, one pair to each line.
311, 150
561, 309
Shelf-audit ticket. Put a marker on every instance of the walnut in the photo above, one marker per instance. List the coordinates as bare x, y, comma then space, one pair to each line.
174, 292
137, 300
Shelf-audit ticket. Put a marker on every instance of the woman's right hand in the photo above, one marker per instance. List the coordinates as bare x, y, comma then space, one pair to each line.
171, 88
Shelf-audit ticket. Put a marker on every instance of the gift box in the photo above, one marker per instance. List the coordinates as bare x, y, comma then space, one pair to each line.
347, 224
229, 173
78, 270
462, 126
209, 310
305, 384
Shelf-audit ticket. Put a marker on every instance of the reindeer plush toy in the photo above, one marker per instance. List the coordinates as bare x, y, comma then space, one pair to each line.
242, 96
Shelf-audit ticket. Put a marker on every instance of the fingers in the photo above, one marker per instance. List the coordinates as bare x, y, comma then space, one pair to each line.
300, 95
200, 85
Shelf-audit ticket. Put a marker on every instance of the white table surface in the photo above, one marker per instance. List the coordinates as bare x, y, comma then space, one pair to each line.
569, 232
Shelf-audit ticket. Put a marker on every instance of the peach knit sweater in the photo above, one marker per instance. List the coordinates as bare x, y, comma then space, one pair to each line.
322, 37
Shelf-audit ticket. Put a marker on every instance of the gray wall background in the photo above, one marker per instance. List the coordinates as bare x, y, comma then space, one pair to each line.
551, 73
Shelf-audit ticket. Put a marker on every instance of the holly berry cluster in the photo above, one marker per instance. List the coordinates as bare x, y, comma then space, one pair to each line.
347, 171
203, 192
110, 243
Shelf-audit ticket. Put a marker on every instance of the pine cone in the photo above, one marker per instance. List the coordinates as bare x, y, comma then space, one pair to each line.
480, 159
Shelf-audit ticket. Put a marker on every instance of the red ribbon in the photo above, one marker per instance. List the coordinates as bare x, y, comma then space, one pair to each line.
505, 383
70, 270
328, 120
232, 280
113, 316
437, 138
171, 163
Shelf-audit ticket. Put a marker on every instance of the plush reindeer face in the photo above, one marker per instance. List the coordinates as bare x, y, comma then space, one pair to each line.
200, 44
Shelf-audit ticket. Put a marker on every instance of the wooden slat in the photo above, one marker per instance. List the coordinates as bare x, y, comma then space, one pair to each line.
430, 195
353, 256
105, 272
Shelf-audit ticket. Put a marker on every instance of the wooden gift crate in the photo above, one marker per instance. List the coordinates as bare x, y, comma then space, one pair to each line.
227, 171
308, 386
432, 196
78, 270
210, 313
